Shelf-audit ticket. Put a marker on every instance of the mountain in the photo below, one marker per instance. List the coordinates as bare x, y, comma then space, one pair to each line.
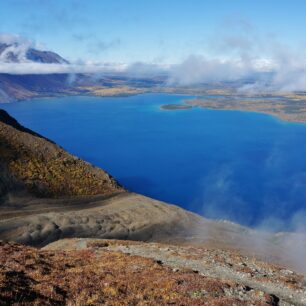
18, 53
18, 87
35, 81
21, 87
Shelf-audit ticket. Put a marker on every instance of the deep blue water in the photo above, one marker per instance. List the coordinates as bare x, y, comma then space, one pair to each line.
246, 167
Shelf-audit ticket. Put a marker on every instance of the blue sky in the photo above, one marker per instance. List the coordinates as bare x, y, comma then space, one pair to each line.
159, 31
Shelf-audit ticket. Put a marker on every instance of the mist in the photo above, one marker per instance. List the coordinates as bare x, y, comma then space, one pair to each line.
274, 217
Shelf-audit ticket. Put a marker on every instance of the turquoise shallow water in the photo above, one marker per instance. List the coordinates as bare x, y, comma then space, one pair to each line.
245, 167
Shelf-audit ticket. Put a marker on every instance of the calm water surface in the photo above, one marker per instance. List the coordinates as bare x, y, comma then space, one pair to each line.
246, 167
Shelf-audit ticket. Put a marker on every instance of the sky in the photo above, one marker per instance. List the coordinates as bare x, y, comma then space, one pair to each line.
159, 31
191, 42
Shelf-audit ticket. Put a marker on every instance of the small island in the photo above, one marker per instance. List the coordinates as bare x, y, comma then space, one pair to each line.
175, 106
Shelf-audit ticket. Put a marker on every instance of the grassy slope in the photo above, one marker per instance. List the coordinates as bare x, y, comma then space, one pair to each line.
32, 163
98, 274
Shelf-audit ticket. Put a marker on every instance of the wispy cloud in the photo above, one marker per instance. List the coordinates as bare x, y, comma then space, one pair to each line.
95, 45
198, 69
243, 52
63, 15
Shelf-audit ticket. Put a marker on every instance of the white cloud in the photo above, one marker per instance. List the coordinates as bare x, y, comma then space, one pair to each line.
16, 46
40, 68
248, 55
198, 69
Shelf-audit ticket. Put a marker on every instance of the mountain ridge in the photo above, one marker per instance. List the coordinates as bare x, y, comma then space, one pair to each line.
17, 52
18, 87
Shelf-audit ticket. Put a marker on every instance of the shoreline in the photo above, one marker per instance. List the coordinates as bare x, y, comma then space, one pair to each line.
278, 116
256, 107
275, 115
184, 105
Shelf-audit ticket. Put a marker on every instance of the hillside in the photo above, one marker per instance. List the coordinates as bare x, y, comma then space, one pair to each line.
21, 87
48, 195
17, 52
17, 87
110, 272
36, 166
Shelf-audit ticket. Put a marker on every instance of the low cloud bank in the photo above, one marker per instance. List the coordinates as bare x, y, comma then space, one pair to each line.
286, 68
195, 70
284, 73
39, 68
198, 69
13, 60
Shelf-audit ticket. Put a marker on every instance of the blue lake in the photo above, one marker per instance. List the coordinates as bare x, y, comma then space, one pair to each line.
245, 167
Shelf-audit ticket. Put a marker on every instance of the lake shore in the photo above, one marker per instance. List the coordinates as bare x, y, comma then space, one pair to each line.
290, 107
290, 110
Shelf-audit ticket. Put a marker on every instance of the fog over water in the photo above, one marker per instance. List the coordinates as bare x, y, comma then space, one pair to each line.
246, 167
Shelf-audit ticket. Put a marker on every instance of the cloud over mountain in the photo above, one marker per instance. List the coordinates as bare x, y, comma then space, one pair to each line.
16, 49
252, 57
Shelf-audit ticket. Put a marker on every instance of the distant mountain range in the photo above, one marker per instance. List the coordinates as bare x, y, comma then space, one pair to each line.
26, 86
15, 86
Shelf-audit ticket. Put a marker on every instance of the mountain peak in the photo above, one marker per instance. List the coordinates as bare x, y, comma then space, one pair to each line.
22, 51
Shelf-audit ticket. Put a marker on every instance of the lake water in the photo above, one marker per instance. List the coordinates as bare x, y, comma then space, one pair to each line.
246, 167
